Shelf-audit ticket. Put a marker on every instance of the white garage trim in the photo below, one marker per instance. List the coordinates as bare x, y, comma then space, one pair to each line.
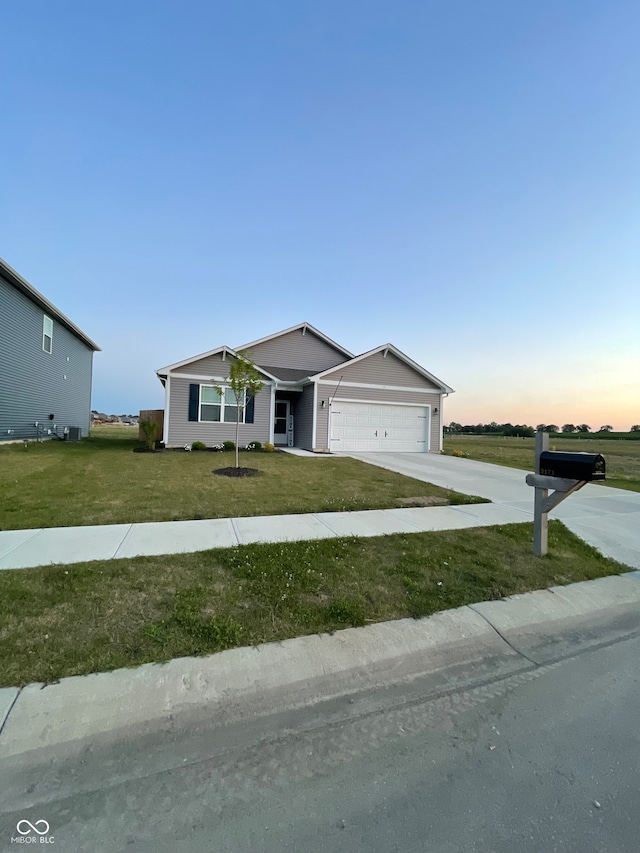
363, 425
422, 390
336, 400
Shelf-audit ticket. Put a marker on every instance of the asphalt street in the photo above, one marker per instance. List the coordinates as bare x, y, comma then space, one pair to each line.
542, 760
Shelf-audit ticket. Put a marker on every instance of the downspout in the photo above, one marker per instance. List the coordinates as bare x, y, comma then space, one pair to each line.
167, 398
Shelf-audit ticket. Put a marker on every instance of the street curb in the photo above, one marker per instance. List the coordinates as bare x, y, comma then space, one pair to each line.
506, 636
251, 681
549, 624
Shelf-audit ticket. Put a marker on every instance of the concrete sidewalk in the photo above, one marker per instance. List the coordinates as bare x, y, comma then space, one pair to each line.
21, 549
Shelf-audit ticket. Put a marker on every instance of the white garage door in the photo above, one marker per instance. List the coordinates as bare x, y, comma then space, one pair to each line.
374, 426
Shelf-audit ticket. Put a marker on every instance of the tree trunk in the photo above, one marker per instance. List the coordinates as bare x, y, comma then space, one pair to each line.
237, 434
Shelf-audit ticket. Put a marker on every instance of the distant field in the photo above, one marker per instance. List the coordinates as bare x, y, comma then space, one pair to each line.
622, 456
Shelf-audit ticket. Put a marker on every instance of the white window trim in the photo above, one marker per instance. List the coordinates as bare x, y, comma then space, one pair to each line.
223, 405
45, 317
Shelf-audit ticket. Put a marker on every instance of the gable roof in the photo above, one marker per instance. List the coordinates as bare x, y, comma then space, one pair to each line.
305, 327
286, 374
399, 354
42, 302
163, 371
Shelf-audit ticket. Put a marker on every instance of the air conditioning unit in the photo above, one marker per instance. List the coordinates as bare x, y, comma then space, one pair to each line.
72, 434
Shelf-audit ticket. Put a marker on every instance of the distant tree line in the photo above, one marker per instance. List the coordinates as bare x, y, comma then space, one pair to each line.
524, 430
521, 430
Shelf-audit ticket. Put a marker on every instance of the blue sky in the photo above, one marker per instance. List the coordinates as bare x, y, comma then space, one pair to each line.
459, 178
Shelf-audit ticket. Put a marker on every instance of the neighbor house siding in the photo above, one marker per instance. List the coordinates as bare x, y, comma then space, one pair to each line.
378, 369
304, 352
303, 419
376, 395
34, 383
183, 431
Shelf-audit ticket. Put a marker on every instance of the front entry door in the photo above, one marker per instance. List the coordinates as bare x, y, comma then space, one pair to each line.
281, 422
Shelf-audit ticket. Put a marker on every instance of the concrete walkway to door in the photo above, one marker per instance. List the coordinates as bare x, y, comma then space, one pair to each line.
608, 519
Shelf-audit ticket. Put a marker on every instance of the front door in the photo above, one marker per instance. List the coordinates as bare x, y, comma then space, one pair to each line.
281, 422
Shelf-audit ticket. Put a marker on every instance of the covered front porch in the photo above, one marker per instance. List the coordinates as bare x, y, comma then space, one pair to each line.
293, 417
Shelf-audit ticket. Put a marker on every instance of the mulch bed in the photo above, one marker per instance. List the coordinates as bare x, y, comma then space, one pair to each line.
236, 472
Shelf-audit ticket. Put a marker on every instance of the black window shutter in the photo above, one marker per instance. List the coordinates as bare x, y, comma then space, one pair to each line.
249, 409
194, 399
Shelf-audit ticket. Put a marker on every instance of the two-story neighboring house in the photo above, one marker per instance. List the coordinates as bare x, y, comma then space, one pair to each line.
317, 395
46, 365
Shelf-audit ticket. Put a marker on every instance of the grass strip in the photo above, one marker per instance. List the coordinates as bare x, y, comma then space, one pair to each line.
90, 617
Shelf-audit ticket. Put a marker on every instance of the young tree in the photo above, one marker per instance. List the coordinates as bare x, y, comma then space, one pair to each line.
245, 381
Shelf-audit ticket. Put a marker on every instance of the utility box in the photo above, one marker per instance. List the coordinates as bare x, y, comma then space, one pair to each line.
72, 434
573, 466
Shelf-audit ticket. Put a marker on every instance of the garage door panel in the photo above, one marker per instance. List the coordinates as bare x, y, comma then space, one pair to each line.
370, 427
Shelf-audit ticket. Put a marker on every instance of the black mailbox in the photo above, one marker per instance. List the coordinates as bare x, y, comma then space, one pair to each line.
573, 466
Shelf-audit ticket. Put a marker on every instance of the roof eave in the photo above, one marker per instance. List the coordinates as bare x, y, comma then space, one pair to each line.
41, 301
443, 387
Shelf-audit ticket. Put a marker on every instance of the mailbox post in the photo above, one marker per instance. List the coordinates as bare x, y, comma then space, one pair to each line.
540, 518
566, 473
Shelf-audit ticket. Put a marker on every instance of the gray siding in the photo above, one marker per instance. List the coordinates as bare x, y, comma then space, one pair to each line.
305, 352
384, 371
183, 431
376, 395
34, 383
212, 365
303, 419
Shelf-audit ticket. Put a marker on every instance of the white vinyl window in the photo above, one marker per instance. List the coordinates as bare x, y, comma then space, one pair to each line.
47, 334
214, 407
210, 404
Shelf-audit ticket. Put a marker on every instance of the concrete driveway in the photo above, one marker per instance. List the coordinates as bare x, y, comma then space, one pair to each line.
608, 519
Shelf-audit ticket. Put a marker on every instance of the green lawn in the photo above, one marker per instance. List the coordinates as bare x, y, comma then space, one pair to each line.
101, 481
91, 617
622, 457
